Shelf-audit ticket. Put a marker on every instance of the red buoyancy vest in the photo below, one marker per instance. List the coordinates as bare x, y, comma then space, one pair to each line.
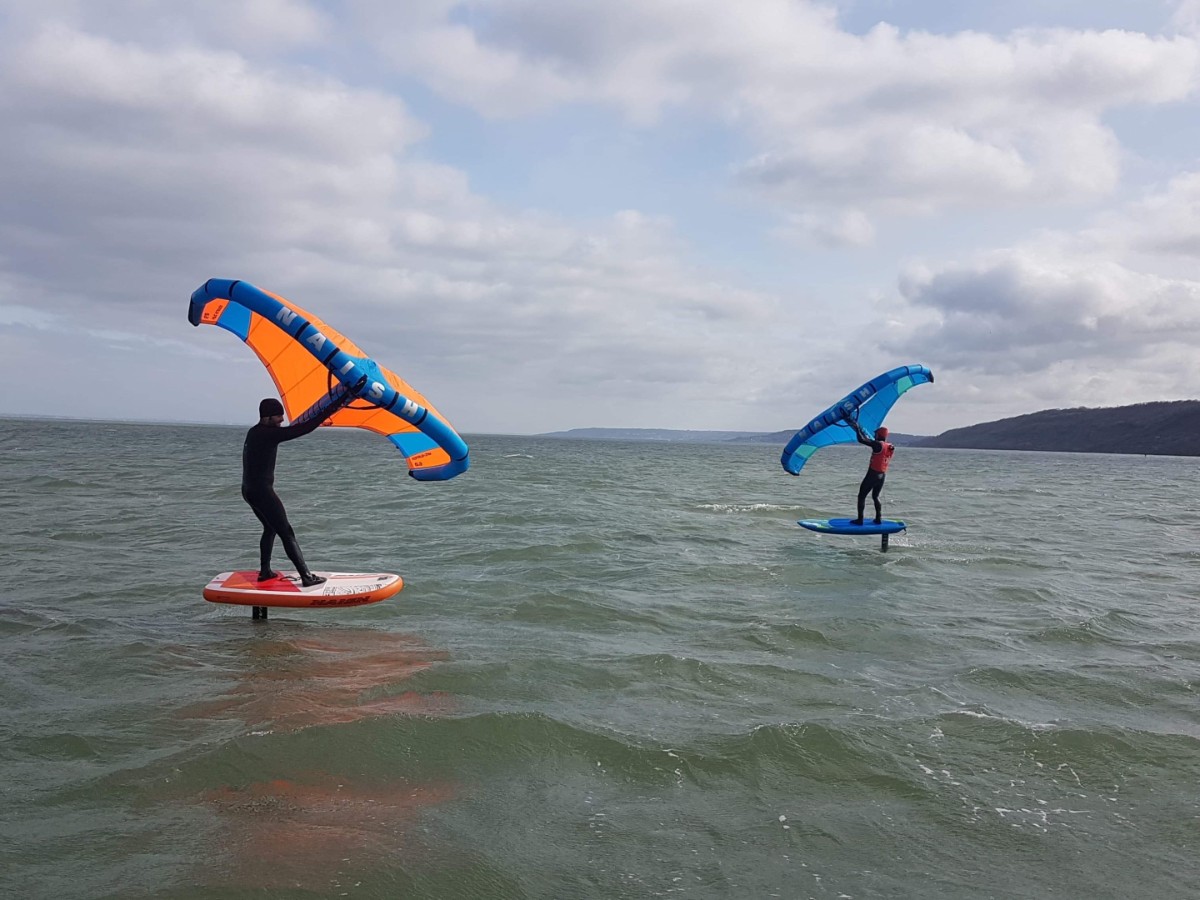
880, 459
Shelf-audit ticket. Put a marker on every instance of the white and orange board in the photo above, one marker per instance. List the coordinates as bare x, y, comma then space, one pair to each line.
340, 589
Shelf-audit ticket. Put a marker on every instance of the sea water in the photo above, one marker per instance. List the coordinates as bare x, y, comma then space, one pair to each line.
617, 670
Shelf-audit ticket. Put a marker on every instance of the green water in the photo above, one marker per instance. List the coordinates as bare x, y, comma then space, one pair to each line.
616, 671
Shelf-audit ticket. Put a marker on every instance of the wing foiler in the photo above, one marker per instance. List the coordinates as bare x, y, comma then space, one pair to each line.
869, 404
314, 367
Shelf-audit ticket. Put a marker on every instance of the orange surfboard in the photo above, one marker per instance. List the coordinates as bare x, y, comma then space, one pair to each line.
340, 589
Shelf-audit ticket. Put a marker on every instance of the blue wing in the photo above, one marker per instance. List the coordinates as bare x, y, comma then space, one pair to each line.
871, 402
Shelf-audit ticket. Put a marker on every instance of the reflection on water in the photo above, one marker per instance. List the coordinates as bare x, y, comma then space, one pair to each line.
340, 677
319, 830
317, 833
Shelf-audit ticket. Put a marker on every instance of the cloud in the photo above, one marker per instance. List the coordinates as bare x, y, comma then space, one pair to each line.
24, 316
830, 228
1164, 223
148, 148
145, 171
1186, 17
1085, 317
891, 120
1018, 313
117, 154
245, 25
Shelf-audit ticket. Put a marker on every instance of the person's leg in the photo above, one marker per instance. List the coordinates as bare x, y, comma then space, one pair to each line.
287, 536
273, 508
863, 490
875, 497
270, 509
266, 543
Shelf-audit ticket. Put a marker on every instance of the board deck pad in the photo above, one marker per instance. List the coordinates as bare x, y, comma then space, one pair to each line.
844, 526
340, 589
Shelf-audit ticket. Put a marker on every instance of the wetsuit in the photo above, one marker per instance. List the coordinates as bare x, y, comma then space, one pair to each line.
258, 489
872, 483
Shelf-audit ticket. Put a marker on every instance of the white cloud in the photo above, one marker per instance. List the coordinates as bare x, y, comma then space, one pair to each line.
830, 228
911, 121
147, 172
186, 94
24, 316
1186, 17
1164, 223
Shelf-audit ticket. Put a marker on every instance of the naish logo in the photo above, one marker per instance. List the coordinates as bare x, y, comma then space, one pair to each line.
340, 591
316, 344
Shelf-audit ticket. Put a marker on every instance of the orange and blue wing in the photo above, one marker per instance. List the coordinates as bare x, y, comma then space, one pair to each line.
313, 365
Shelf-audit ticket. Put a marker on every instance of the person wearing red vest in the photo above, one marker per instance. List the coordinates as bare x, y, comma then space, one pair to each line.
872, 483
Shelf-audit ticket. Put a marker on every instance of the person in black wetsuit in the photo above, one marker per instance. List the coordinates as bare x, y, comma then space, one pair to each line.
872, 483
258, 486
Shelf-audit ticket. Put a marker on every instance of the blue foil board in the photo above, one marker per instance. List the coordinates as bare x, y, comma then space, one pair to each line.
843, 526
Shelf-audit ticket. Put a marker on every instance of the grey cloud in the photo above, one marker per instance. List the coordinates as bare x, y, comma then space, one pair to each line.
1015, 314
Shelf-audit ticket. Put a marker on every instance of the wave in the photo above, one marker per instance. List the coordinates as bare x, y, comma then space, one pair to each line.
750, 507
1113, 627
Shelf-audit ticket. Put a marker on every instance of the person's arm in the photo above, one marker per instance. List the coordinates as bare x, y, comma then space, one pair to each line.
307, 422
291, 432
862, 435
340, 397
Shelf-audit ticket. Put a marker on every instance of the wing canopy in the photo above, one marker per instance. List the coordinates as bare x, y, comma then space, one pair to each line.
871, 402
313, 364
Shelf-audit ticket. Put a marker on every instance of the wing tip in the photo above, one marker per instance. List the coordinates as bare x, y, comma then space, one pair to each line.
443, 472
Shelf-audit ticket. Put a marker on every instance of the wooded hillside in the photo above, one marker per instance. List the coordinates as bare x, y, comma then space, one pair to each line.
1163, 428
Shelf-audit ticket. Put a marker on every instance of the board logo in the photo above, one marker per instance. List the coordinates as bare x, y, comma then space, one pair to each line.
341, 601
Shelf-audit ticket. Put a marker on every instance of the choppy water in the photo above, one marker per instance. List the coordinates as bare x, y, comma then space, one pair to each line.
616, 671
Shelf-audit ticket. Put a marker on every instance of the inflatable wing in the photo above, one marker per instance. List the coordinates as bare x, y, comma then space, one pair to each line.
314, 367
869, 404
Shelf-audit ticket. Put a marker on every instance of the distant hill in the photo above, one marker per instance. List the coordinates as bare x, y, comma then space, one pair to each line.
1167, 428
651, 434
698, 437
1164, 428
782, 437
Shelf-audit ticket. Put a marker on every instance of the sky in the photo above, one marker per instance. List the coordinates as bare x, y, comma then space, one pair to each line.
547, 215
